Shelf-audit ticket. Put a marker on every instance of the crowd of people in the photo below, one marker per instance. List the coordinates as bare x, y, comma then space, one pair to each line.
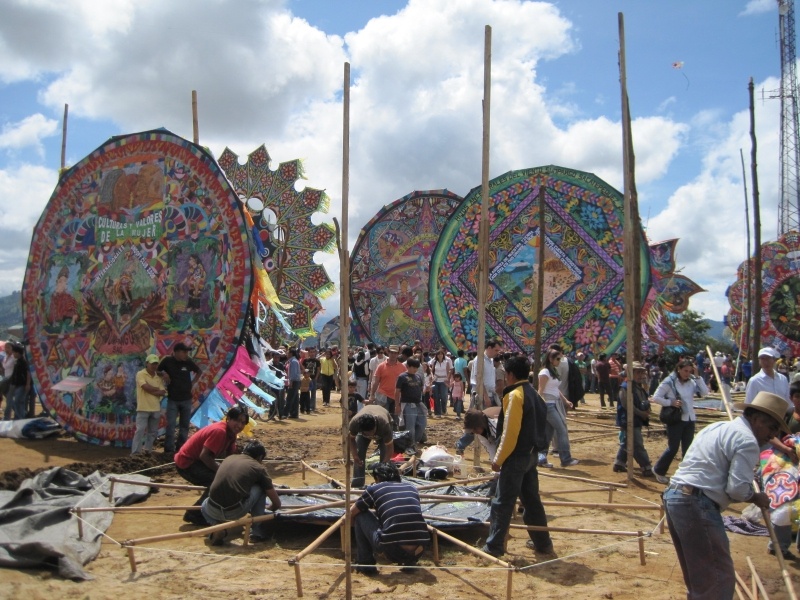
518, 415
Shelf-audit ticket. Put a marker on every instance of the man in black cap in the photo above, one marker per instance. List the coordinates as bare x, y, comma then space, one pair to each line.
176, 371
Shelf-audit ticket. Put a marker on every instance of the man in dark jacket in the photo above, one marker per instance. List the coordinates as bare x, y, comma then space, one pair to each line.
641, 417
521, 430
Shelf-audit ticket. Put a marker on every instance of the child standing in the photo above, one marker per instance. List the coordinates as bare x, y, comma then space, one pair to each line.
305, 393
457, 393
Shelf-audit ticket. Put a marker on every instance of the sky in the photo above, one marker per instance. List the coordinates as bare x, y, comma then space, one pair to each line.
271, 72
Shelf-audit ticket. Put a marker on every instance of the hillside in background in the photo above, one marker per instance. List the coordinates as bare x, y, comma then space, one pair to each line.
10, 311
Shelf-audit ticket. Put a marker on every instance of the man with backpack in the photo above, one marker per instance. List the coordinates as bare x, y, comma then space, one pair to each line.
521, 431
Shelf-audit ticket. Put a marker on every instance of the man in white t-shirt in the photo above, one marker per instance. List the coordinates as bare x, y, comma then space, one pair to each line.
489, 396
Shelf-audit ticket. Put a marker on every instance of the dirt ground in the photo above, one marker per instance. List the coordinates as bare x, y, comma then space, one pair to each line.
587, 565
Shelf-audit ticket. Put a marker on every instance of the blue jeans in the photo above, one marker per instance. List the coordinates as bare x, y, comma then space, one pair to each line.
639, 451
16, 402
518, 479
701, 544
292, 399
416, 419
255, 504
558, 426
312, 390
366, 528
146, 429
679, 435
177, 410
362, 443
464, 441
439, 398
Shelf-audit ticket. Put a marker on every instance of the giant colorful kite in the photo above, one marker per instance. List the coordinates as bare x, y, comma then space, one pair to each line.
286, 236
390, 266
780, 305
142, 245
582, 245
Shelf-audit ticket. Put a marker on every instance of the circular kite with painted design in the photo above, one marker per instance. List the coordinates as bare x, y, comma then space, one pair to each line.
390, 265
142, 245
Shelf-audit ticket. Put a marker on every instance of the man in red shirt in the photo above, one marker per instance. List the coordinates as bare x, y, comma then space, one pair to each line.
385, 380
196, 460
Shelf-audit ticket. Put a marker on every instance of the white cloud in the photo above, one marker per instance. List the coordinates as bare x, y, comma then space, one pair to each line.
27, 133
756, 7
24, 192
708, 213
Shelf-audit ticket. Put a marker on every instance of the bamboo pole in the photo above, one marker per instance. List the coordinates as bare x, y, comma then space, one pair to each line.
64, 138
755, 313
537, 348
153, 484
297, 580
584, 479
124, 509
328, 477
195, 125
470, 549
629, 259
743, 585
131, 559
593, 437
483, 231
435, 544
575, 491
757, 579
456, 482
594, 424
78, 514
344, 320
641, 548
230, 524
318, 542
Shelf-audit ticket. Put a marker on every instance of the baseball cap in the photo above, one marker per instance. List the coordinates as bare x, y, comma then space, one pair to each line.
152, 358
180, 347
771, 352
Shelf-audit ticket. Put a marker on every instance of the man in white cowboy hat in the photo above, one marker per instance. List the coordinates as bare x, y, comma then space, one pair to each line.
716, 471
767, 379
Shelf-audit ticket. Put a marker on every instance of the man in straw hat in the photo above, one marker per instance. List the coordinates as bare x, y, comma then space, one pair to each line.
716, 471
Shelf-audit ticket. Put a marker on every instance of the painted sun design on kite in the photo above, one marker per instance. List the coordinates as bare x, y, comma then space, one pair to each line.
284, 235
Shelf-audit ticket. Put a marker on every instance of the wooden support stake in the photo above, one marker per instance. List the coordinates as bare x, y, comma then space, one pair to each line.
303, 470
757, 579
131, 559
298, 580
435, 548
111, 490
471, 549
80, 522
508, 584
743, 586
641, 548
246, 537
318, 542
610, 494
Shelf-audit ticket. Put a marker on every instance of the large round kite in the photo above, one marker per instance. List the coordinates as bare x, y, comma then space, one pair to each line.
780, 305
286, 236
582, 245
141, 246
390, 267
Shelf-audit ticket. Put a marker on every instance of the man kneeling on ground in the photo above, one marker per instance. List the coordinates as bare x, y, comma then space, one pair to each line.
372, 422
241, 486
396, 528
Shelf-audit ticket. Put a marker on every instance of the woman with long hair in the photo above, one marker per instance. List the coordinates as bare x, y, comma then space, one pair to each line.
678, 389
442, 371
556, 423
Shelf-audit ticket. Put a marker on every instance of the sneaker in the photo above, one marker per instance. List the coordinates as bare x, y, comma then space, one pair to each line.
571, 463
459, 452
491, 552
545, 464
786, 553
367, 570
661, 478
620, 469
647, 472
549, 550
218, 537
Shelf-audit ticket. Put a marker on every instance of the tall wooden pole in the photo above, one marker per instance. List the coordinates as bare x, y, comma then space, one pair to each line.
195, 126
537, 348
630, 258
747, 309
755, 339
64, 138
483, 231
344, 320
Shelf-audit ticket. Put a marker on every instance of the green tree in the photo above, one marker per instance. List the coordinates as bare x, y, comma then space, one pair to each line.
692, 328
